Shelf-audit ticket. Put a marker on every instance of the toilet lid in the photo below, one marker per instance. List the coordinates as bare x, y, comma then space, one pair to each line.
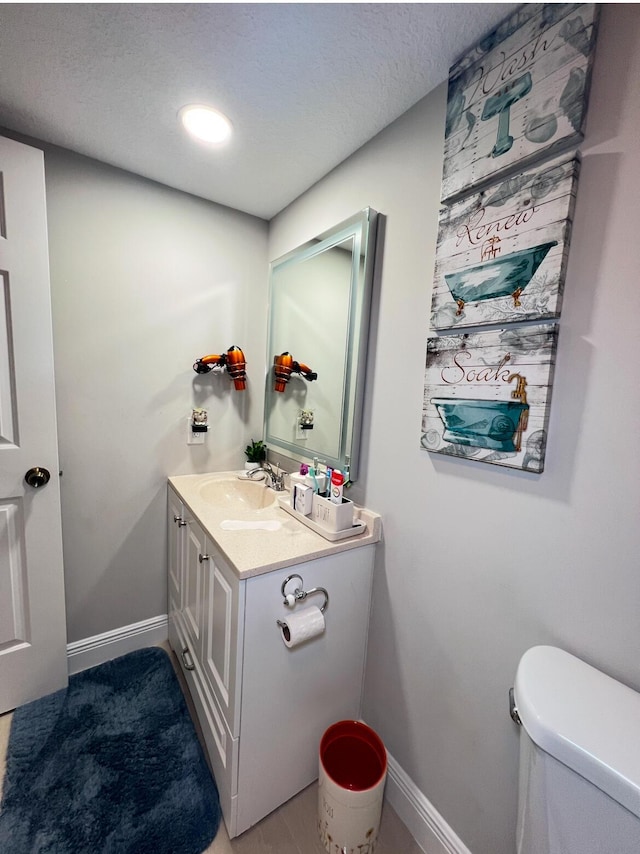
584, 719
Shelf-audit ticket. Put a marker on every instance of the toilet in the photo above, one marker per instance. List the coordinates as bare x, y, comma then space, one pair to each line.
579, 787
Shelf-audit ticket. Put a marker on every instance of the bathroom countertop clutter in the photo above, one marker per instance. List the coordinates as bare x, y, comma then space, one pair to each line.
251, 528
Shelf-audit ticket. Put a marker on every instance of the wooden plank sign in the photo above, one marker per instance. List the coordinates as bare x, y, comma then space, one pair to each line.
502, 252
519, 96
487, 395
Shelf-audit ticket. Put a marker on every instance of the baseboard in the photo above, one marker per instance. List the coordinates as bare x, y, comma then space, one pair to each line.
100, 648
426, 825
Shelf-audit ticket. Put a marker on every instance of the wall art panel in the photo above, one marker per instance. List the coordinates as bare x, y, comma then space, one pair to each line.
487, 395
520, 95
502, 252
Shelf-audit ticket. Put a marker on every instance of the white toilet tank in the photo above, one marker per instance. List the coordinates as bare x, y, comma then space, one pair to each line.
579, 758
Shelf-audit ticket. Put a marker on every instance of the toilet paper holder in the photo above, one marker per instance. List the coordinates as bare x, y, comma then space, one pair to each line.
299, 594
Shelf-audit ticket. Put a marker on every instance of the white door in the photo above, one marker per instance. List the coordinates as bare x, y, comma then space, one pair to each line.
32, 617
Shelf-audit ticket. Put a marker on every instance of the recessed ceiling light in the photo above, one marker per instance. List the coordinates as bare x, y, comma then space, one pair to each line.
205, 123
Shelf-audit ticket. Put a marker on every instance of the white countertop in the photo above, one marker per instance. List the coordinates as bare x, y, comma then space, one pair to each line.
256, 551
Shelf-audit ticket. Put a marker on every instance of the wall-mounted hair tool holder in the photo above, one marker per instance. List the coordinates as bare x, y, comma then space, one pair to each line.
307, 623
284, 365
233, 360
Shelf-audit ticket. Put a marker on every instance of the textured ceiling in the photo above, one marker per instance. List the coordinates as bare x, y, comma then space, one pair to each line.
305, 85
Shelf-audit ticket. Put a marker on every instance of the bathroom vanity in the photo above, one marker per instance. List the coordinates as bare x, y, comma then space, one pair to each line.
263, 706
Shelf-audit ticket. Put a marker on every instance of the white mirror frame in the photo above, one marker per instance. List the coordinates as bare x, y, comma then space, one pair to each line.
349, 353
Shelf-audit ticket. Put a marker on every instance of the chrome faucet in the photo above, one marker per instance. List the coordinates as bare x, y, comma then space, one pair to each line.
276, 478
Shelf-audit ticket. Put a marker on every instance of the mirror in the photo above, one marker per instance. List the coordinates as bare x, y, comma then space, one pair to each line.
319, 301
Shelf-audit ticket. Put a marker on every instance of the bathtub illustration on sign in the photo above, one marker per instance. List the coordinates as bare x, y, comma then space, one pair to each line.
494, 424
500, 277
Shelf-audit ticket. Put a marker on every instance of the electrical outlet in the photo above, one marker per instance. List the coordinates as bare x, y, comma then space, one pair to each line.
194, 438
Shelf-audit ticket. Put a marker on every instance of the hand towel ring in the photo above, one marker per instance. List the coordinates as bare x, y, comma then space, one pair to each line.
299, 594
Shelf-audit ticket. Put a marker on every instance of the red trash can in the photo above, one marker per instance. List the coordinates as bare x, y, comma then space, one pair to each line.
353, 771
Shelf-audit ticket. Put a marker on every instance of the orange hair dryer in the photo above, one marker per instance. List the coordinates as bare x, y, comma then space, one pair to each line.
284, 365
234, 362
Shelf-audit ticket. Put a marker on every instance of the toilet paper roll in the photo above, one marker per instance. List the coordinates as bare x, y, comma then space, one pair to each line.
306, 624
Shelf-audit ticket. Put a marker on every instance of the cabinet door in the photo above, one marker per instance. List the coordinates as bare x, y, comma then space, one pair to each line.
176, 539
222, 641
290, 696
194, 569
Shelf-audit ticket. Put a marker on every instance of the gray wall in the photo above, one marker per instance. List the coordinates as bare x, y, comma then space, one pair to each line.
144, 281
479, 563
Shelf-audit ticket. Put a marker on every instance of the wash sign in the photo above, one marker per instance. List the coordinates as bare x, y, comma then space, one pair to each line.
519, 96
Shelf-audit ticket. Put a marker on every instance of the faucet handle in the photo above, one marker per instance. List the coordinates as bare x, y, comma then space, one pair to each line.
277, 480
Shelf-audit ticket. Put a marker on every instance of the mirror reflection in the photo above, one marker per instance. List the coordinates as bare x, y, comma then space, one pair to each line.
317, 340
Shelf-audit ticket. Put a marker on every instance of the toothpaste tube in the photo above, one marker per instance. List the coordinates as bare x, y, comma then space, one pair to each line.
337, 486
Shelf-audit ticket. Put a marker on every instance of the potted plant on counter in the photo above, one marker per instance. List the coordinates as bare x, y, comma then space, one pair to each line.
256, 453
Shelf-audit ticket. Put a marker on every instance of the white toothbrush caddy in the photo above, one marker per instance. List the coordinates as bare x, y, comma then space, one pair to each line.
333, 517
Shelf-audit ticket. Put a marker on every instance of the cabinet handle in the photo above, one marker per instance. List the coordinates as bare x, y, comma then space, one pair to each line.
202, 558
188, 665
180, 521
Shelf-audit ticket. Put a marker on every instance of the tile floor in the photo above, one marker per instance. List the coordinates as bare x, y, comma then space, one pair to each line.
291, 829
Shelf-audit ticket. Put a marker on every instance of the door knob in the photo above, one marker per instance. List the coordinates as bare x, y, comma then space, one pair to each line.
37, 477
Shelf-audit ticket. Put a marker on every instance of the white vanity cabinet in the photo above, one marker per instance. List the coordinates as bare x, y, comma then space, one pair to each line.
204, 609
262, 706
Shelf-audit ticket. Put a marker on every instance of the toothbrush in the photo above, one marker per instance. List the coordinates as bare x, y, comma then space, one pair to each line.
328, 472
312, 475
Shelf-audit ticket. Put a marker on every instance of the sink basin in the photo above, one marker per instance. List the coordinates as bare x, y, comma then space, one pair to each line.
234, 495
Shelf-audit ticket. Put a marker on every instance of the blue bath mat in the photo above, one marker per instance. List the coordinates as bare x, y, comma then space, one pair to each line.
110, 765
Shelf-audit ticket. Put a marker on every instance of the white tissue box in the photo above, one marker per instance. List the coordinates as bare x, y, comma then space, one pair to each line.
302, 499
333, 517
